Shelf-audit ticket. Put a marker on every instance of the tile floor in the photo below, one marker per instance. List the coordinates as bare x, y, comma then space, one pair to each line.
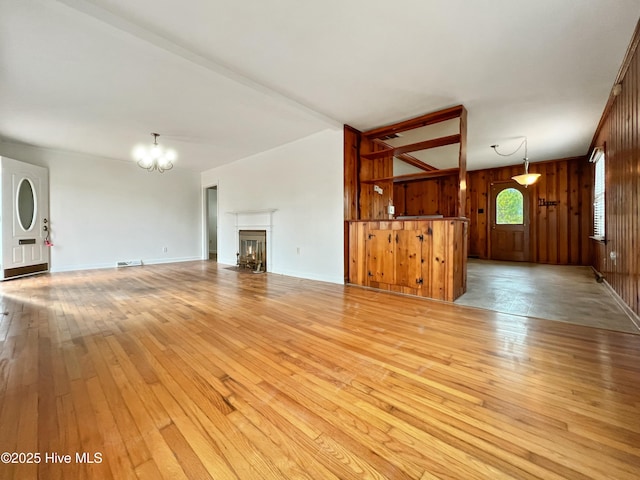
564, 293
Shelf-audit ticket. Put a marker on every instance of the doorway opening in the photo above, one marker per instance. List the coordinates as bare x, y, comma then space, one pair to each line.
212, 223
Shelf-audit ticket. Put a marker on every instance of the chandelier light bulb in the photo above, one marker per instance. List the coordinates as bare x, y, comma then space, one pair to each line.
139, 152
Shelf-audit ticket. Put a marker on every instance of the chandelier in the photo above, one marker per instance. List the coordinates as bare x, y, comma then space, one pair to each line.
526, 178
154, 157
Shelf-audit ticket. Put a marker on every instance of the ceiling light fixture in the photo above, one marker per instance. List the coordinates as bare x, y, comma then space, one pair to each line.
154, 158
526, 178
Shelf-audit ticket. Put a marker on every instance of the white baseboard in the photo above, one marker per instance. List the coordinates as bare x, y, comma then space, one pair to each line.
156, 261
99, 266
290, 273
311, 276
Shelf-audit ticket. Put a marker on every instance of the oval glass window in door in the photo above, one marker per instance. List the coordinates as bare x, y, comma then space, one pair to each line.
26, 204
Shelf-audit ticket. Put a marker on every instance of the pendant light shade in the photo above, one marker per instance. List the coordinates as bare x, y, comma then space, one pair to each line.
526, 178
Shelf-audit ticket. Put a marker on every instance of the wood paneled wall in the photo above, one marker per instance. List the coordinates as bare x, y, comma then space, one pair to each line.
619, 133
434, 196
559, 234
351, 168
373, 206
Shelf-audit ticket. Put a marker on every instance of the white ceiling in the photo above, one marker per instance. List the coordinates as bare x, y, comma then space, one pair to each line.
222, 80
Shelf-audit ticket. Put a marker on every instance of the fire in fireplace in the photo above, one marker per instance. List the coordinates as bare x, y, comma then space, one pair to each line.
252, 250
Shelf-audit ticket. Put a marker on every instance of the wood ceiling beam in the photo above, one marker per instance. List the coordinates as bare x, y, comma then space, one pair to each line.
428, 119
410, 159
415, 176
413, 147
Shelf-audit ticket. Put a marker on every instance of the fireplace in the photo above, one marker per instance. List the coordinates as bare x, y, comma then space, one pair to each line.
252, 250
249, 225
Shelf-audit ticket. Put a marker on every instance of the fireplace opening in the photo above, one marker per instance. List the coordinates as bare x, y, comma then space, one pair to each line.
252, 250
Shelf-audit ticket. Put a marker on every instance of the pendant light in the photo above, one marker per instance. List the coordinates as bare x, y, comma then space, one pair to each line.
526, 178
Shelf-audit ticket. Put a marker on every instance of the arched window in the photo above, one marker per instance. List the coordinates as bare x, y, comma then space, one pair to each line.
510, 207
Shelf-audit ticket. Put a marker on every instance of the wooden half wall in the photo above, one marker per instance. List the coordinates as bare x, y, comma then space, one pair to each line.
619, 134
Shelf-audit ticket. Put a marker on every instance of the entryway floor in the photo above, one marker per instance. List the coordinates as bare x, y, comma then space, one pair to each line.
563, 293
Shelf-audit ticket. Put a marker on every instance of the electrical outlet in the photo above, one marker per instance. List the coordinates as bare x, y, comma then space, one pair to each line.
298, 250
165, 249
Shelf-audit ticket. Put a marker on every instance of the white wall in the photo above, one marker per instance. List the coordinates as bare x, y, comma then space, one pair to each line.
303, 181
103, 211
403, 168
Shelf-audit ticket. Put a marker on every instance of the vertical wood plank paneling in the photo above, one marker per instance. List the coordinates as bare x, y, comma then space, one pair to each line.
435, 196
399, 195
619, 133
449, 197
372, 204
415, 194
534, 227
477, 190
552, 217
461, 180
427, 252
557, 234
438, 259
357, 252
365, 172
541, 254
563, 239
351, 141
471, 210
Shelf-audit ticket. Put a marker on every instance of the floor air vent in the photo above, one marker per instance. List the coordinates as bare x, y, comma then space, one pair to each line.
129, 263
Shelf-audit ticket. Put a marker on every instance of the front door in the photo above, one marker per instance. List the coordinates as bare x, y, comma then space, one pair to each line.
509, 222
25, 218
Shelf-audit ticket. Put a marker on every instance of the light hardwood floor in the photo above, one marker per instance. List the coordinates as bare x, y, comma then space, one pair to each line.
195, 371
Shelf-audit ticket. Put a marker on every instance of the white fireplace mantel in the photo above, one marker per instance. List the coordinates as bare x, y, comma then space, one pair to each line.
266, 210
256, 220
